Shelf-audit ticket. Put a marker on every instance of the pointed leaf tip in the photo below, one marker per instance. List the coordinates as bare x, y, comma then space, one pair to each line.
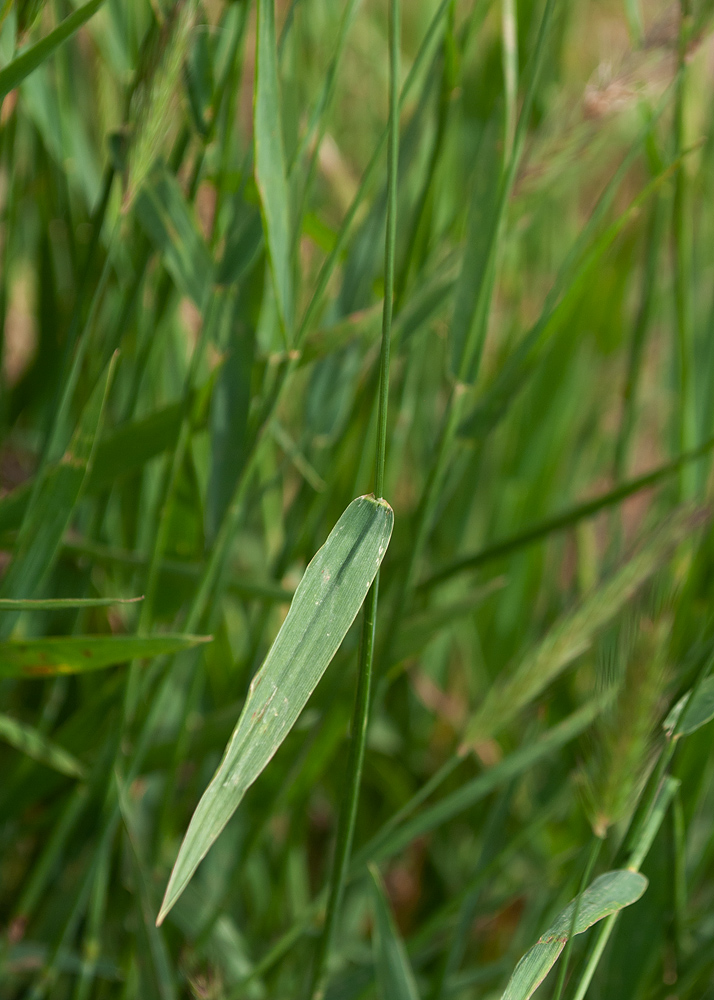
323, 608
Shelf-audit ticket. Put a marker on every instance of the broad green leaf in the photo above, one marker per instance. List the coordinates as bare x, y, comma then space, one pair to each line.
395, 978
573, 634
693, 710
608, 894
15, 72
325, 604
270, 176
79, 654
171, 225
59, 603
46, 520
33, 743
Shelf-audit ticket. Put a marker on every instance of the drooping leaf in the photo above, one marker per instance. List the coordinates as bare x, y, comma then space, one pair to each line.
79, 654
35, 744
608, 894
325, 604
29, 59
270, 175
395, 978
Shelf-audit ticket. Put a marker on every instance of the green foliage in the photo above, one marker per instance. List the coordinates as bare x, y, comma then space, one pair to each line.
259, 259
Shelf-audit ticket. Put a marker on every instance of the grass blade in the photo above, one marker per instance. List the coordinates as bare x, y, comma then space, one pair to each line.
567, 519
29, 741
170, 224
395, 978
573, 634
693, 710
79, 654
46, 519
386, 844
15, 72
324, 606
608, 894
270, 173
60, 603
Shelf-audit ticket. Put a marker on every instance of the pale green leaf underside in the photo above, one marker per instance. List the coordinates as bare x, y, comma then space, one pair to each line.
325, 604
609, 893
78, 654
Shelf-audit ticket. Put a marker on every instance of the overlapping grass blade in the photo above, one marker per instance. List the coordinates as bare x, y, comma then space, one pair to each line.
23, 64
82, 653
55, 498
270, 172
35, 744
325, 604
390, 841
693, 710
608, 894
567, 519
574, 633
171, 225
395, 977
61, 603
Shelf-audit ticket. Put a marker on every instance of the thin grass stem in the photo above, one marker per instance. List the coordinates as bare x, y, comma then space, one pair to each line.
360, 719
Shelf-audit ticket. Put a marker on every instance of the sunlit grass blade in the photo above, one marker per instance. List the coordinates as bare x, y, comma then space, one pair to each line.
79, 654
325, 604
22, 65
395, 978
35, 744
270, 163
608, 894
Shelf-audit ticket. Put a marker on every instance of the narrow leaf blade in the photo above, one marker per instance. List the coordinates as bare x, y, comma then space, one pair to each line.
16, 71
270, 175
608, 894
395, 977
34, 744
80, 654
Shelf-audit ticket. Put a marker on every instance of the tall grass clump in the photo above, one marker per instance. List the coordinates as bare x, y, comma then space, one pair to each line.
356, 542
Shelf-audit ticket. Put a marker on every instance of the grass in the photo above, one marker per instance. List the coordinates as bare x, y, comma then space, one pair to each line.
260, 260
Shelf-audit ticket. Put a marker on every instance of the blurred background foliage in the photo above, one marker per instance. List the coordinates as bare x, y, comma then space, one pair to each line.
239, 422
